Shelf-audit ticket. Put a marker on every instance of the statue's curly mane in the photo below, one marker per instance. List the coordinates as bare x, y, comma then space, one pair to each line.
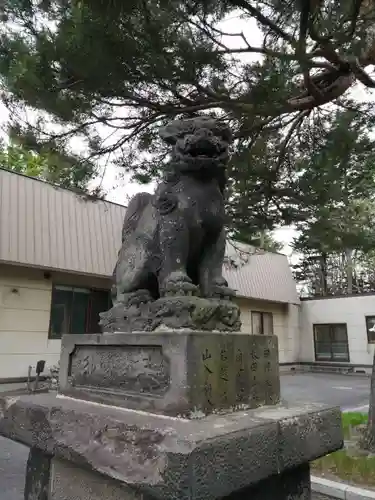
200, 149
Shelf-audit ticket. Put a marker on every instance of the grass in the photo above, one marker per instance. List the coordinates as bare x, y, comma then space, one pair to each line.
349, 464
351, 420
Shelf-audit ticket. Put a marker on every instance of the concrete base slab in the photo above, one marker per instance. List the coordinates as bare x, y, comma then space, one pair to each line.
168, 457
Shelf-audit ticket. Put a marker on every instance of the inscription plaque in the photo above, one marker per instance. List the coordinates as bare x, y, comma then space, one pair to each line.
138, 369
235, 370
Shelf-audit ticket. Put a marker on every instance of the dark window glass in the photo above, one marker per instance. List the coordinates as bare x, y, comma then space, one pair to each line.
331, 342
99, 302
79, 310
76, 310
61, 310
370, 327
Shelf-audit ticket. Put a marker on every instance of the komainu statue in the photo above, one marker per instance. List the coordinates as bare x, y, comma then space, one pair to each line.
169, 268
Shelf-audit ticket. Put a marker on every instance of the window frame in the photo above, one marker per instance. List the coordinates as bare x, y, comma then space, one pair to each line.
262, 313
72, 288
367, 317
330, 326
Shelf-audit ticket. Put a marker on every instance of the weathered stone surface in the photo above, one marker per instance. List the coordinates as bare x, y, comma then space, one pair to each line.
173, 242
304, 432
176, 373
292, 484
37, 475
229, 371
69, 482
141, 369
167, 457
194, 313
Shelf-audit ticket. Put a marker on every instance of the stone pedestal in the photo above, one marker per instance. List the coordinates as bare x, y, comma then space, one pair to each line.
182, 373
70, 482
169, 415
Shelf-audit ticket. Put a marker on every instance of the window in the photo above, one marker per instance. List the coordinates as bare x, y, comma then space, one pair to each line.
331, 342
76, 310
370, 327
261, 323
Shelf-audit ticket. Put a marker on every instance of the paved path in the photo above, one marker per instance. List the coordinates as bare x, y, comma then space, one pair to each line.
349, 392
13, 458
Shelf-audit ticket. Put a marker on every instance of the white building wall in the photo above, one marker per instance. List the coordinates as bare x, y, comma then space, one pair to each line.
285, 324
292, 352
25, 305
349, 310
25, 301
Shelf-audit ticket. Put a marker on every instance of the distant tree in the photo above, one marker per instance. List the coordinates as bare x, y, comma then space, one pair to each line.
338, 181
62, 170
260, 239
112, 72
19, 160
365, 266
334, 247
262, 191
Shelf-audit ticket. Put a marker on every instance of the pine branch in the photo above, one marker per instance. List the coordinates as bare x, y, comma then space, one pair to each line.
262, 19
306, 59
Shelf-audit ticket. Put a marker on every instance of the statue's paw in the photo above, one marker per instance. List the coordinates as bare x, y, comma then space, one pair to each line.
136, 298
222, 292
178, 283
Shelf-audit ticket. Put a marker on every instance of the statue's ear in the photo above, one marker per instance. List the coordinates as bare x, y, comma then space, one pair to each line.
168, 134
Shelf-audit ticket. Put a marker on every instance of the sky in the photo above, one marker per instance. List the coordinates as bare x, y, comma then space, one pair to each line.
118, 186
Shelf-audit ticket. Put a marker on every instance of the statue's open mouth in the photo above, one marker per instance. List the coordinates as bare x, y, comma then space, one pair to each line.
206, 151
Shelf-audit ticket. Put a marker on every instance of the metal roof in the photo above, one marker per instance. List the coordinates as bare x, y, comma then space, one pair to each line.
45, 226
260, 275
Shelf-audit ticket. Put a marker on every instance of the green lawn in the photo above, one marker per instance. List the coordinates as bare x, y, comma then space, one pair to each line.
348, 464
351, 420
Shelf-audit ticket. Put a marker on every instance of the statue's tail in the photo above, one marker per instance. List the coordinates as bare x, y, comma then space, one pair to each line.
133, 213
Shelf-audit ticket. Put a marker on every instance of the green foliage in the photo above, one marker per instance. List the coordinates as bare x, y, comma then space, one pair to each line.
352, 419
351, 463
262, 191
338, 178
335, 229
25, 162
356, 468
260, 239
48, 165
110, 73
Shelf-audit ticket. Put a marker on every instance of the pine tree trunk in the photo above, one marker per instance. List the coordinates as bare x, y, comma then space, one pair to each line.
323, 271
261, 239
349, 269
367, 441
